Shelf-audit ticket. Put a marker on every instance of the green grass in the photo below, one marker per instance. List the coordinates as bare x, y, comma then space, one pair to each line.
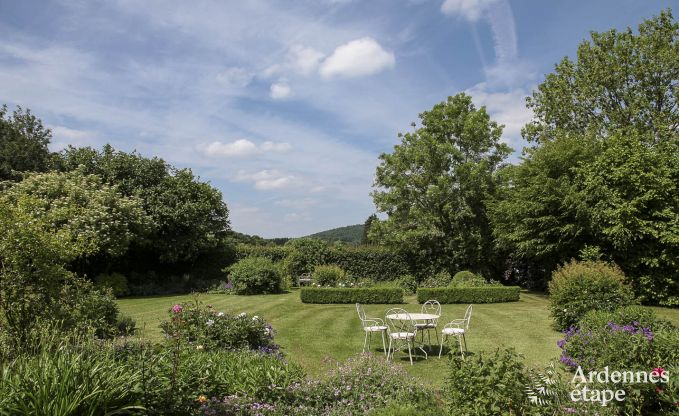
310, 333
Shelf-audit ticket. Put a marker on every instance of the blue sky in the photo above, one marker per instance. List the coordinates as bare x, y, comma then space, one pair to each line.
284, 106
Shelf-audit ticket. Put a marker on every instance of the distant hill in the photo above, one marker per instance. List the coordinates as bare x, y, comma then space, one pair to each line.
351, 234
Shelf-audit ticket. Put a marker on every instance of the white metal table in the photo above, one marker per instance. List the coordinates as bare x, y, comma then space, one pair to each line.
415, 316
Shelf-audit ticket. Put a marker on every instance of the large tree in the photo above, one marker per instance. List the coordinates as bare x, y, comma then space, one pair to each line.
433, 187
603, 167
23, 143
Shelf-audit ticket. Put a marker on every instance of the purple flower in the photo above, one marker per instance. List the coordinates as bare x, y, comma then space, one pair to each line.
177, 308
228, 285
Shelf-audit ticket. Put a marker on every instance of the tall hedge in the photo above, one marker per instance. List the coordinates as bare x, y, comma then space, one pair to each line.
484, 294
351, 295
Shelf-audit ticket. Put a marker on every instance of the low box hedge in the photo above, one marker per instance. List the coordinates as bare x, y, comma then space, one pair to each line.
481, 294
351, 295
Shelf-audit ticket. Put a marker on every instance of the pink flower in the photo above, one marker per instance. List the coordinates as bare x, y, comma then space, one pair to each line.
177, 308
658, 372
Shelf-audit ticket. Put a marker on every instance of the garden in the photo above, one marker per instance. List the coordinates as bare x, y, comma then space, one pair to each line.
123, 289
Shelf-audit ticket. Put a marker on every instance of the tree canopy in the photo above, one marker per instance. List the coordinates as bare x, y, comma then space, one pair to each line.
23, 143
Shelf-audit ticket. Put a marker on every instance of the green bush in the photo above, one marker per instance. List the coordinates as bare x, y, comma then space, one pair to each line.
579, 287
114, 281
352, 295
212, 330
273, 253
408, 283
625, 315
440, 279
126, 326
487, 384
255, 275
82, 307
466, 278
484, 294
328, 275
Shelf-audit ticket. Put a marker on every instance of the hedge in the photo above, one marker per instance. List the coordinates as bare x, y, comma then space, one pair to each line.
484, 294
351, 295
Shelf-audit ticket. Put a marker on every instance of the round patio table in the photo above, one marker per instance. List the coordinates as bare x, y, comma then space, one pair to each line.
415, 316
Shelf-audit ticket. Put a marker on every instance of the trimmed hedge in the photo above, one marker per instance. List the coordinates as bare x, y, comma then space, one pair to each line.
351, 295
484, 294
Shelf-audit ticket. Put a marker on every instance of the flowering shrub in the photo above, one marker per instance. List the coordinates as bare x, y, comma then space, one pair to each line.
441, 279
329, 275
208, 329
579, 287
356, 386
255, 275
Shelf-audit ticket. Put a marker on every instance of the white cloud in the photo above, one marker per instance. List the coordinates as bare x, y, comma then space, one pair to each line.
63, 136
235, 77
267, 180
303, 59
280, 90
357, 58
471, 10
297, 203
244, 147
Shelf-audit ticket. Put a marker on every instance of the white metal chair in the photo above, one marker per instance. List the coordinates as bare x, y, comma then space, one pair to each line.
457, 328
371, 325
402, 332
432, 307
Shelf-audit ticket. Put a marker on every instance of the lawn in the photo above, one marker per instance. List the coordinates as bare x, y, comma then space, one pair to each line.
309, 334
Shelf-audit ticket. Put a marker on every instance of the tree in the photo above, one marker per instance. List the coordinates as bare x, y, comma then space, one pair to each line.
603, 169
433, 187
365, 239
23, 144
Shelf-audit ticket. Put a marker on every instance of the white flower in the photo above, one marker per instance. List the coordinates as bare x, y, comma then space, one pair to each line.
220, 314
254, 318
199, 347
267, 331
242, 315
210, 322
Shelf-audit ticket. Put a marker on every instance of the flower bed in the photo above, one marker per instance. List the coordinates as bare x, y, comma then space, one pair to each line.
485, 294
352, 295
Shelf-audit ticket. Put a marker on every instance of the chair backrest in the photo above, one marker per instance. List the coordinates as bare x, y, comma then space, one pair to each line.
361, 313
467, 316
402, 323
433, 307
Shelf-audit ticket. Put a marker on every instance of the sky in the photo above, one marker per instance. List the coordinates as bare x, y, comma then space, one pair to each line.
284, 106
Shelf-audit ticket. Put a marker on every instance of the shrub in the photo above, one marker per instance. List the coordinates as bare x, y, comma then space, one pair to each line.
212, 330
624, 341
126, 326
352, 295
440, 279
466, 278
579, 287
485, 294
82, 307
487, 383
408, 283
328, 275
114, 281
255, 275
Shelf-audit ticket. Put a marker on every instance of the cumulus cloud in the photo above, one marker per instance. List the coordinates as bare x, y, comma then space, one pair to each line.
244, 147
280, 90
267, 180
357, 58
63, 136
303, 59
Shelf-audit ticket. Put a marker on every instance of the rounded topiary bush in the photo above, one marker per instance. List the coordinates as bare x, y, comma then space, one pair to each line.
440, 279
579, 287
328, 275
465, 278
255, 275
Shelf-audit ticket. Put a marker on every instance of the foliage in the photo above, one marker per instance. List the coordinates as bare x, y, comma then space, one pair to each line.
579, 287
188, 217
465, 278
483, 294
274, 253
98, 220
304, 255
351, 295
81, 306
255, 275
602, 171
64, 380
23, 144
328, 275
408, 283
211, 330
433, 187
439, 279
487, 383
114, 281
365, 237
351, 234
126, 326
630, 339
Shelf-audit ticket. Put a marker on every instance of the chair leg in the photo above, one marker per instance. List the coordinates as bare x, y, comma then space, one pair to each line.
459, 341
365, 340
384, 345
437, 335
443, 338
370, 338
389, 352
465, 342
410, 353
